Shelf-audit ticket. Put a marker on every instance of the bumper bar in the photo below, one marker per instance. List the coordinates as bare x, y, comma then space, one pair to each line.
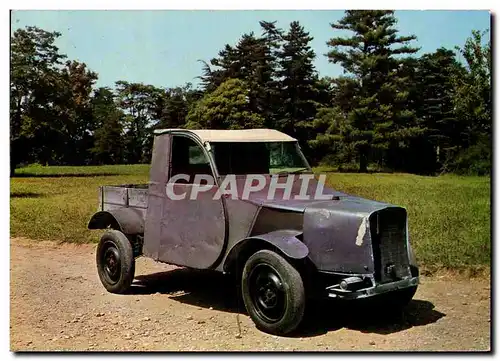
372, 291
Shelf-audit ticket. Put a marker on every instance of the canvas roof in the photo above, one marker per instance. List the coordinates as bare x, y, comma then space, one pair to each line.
243, 135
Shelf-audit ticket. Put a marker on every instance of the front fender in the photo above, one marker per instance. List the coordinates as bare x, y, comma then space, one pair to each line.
127, 220
284, 240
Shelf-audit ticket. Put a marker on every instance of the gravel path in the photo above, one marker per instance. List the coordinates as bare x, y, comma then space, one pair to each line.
58, 303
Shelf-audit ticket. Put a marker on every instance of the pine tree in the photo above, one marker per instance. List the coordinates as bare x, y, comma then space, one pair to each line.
177, 103
371, 57
228, 107
473, 106
220, 69
298, 83
251, 61
272, 38
432, 96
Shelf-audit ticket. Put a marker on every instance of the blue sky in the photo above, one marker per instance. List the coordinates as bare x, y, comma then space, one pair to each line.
161, 47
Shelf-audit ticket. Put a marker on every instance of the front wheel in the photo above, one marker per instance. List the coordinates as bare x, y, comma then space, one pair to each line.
115, 261
273, 292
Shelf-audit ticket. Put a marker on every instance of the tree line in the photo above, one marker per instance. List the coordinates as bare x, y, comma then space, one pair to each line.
389, 110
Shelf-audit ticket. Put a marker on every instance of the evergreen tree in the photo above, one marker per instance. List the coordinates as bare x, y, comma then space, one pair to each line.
228, 107
220, 69
407, 113
379, 119
272, 38
473, 107
432, 95
251, 61
473, 99
177, 103
298, 84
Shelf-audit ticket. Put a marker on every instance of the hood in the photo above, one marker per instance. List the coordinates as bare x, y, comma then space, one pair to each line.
339, 233
330, 198
336, 230
292, 201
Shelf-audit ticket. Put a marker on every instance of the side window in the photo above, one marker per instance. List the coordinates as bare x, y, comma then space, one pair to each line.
275, 155
188, 158
196, 155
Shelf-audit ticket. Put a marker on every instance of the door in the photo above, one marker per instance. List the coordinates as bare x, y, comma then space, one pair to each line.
192, 226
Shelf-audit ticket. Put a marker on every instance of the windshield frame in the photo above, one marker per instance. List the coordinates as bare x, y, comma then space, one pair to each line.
209, 146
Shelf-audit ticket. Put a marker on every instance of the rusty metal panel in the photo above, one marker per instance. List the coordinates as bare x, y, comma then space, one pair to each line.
137, 197
141, 211
270, 219
115, 195
337, 234
158, 177
152, 228
279, 201
287, 241
128, 220
192, 231
101, 199
110, 207
241, 217
284, 239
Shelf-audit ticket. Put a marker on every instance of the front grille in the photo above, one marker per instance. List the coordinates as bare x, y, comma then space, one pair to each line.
388, 231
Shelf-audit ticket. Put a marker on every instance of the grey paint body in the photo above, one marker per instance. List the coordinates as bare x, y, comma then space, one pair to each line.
334, 234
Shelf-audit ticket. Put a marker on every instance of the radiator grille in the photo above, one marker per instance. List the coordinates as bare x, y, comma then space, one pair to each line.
388, 231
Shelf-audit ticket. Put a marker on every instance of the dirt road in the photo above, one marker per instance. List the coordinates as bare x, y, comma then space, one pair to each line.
58, 303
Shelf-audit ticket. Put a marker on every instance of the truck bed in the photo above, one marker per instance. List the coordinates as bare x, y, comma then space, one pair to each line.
127, 195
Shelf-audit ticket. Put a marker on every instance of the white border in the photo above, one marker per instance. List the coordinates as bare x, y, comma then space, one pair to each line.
190, 4
254, 5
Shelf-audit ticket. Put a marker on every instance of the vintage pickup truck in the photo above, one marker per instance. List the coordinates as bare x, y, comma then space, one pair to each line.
283, 245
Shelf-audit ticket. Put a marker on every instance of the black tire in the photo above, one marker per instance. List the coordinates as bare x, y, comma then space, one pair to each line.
115, 261
273, 293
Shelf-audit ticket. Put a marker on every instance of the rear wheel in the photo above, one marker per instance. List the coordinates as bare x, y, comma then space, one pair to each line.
273, 292
115, 261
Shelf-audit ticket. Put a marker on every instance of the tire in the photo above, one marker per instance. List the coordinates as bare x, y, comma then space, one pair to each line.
273, 293
115, 262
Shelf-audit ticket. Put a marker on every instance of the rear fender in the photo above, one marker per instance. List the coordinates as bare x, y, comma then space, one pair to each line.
285, 241
126, 220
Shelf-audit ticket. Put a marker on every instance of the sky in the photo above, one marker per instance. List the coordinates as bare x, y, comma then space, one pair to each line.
162, 47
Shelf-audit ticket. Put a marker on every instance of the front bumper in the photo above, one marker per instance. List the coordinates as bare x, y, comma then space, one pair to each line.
339, 293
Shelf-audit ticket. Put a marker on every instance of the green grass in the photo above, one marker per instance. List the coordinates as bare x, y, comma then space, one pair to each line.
56, 203
62, 171
449, 216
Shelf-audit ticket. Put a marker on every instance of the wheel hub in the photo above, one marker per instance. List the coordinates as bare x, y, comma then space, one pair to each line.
112, 263
267, 292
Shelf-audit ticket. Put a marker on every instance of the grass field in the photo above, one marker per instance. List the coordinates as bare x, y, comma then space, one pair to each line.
449, 216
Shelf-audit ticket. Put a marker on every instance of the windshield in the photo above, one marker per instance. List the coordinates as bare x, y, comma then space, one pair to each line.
259, 158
